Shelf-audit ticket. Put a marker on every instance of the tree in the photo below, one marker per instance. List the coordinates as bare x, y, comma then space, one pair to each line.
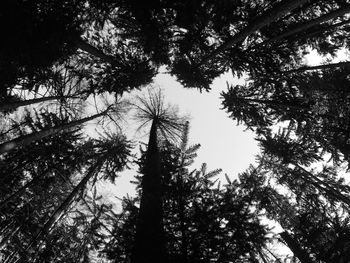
309, 220
202, 221
314, 105
149, 240
29, 138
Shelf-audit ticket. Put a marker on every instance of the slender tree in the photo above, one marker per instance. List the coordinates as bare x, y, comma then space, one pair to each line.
29, 138
149, 240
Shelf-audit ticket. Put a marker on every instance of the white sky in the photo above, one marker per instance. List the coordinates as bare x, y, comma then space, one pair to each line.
223, 144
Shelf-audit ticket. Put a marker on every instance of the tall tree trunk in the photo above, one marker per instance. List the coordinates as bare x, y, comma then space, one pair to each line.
85, 46
307, 25
17, 104
275, 103
295, 247
184, 241
19, 191
66, 203
8, 236
326, 66
149, 241
324, 186
29, 138
269, 16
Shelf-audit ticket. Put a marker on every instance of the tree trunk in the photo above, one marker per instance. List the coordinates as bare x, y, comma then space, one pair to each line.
295, 247
29, 138
19, 191
324, 186
149, 240
15, 105
326, 66
66, 203
275, 103
8, 236
307, 25
184, 242
85, 46
269, 16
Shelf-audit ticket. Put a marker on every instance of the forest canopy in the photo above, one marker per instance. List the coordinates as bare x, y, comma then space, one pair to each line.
65, 64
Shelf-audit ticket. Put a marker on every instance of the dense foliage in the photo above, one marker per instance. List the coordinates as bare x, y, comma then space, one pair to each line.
65, 64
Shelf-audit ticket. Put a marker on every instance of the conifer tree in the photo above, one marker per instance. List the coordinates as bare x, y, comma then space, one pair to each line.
149, 240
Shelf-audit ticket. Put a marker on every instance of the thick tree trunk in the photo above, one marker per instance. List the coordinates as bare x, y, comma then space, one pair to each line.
269, 16
29, 138
17, 104
149, 241
295, 247
326, 66
340, 12
85, 46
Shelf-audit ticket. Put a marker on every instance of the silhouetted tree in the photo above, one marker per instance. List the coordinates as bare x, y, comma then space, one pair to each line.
149, 240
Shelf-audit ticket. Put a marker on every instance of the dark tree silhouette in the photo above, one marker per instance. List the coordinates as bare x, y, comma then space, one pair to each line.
202, 221
149, 240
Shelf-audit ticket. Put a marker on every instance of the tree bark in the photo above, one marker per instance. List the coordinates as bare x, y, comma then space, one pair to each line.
29, 138
269, 16
307, 25
149, 241
295, 247
85, 46
17, 104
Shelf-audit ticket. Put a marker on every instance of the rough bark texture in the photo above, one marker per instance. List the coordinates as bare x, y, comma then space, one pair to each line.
149, 243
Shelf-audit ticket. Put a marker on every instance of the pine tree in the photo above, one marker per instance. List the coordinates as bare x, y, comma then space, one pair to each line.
149, 240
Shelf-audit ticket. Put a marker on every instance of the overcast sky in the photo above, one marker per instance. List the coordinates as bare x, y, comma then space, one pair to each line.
223, 144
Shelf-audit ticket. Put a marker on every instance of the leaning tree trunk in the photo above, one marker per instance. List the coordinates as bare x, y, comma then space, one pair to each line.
295, 247
269, 16
326, 66
85, 46
324, 186
20, 191
29, 138
17, 104
307, 25
149, 240
66, 203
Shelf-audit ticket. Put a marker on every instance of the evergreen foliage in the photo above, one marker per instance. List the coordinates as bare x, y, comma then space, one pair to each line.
57, 58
